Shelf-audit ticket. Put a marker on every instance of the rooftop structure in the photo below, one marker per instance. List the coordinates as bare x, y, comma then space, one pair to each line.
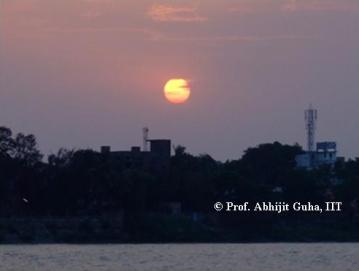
156, 159
325, 153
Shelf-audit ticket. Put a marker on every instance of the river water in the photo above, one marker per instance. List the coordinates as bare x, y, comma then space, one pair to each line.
173, 257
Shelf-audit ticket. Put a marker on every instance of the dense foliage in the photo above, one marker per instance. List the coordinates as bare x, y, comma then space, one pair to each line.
84, 182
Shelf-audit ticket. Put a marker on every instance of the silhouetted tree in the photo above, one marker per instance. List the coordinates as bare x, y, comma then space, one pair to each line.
6, 142
25, 149
86, 183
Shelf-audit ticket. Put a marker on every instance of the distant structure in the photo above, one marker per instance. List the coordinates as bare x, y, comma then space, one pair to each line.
322, 153
145, 131
311, 116
156, 159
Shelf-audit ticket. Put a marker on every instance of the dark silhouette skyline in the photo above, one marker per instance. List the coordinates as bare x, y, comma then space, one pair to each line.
133, 196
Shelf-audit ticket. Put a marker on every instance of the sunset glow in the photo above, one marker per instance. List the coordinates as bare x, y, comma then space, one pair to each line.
228, 64
177, 91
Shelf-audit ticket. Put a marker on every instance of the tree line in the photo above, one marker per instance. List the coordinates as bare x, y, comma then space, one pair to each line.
84, 182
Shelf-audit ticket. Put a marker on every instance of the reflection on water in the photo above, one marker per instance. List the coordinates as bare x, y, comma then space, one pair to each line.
224, 257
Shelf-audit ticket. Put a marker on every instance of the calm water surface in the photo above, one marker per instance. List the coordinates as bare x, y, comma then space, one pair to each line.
201, 257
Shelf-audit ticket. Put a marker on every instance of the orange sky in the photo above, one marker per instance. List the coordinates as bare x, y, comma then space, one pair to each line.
82, 73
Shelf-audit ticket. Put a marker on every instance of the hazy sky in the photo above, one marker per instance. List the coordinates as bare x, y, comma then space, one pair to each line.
86, 73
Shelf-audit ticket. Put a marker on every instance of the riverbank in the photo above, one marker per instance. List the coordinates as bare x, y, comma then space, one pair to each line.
167, 229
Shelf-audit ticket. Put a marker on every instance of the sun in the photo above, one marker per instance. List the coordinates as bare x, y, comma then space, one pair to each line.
177, 91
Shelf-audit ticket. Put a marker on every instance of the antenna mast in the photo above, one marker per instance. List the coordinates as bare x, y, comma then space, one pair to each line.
311, 116
145, 131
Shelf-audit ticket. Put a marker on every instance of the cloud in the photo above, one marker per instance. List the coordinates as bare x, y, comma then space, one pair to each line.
214, 40
166, 13
268, 6
146, 32
321, 5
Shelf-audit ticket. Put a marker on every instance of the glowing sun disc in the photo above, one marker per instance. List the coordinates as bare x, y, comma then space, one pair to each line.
177, 91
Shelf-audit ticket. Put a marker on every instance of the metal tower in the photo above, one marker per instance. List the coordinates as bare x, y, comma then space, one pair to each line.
145, 131
311, 116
